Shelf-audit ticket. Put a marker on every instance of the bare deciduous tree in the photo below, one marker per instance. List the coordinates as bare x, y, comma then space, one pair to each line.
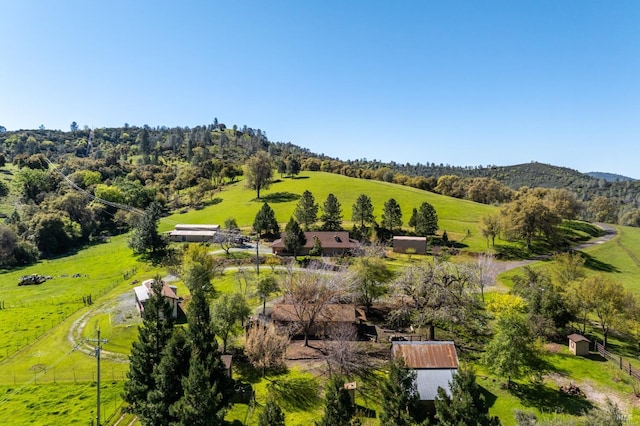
484, 272
308, 294
345, 355
265, 347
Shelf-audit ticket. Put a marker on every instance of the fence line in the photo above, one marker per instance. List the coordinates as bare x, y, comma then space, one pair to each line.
74, 304
624, 365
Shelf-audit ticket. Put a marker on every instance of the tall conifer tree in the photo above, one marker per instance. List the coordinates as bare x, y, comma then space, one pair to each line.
146, 352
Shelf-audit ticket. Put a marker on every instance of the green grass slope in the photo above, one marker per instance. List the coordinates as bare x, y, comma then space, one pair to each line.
460, 218
620, 257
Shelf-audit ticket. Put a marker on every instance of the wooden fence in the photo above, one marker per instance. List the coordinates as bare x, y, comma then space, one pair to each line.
624, 365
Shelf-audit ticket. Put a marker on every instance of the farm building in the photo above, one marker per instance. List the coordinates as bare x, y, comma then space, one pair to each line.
579, 345
189, 233
402, 243
435, 363
143, 292
334, 243
284, 315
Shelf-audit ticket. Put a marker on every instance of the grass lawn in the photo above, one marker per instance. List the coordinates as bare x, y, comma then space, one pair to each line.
40, 404
594, 375
460, 218
620, 257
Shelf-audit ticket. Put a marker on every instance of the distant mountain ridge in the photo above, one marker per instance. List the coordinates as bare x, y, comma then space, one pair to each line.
609, 177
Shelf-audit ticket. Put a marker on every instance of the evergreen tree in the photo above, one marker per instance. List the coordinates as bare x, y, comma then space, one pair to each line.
414, 218
265, 221
338, 407
391, 215
306, 212
294, 238
399, 396
426, 222
173, 367
146, 352
145, 239
293, 167
207, 388
466, 405
272, 415
316, 250
144, 143
331, 214
362, 211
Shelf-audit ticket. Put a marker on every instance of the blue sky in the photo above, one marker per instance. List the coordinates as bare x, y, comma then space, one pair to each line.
454, 82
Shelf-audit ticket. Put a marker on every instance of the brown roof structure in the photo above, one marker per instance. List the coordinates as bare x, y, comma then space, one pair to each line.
336, 312
329, 240
578, 338
426, 355
167, 291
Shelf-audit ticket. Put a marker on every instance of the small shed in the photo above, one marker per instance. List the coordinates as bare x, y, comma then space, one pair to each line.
402, 243
579, 345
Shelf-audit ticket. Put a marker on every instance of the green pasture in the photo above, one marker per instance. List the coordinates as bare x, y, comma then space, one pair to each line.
30, 311
41, 404
620, 257
593, 374
460, 218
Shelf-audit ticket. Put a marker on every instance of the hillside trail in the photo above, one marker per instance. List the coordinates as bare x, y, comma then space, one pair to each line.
609, 233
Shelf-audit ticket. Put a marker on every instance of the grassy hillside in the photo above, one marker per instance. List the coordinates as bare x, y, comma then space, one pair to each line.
620, 257
458, 217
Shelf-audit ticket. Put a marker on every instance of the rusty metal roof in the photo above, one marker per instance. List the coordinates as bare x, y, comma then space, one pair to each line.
426, 354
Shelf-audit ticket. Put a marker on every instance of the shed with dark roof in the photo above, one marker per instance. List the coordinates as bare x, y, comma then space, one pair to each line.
579, 345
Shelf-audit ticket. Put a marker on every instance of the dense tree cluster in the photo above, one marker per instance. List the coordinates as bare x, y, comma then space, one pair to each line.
176, 377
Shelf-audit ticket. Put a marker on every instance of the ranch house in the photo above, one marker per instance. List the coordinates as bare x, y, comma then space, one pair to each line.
334, 243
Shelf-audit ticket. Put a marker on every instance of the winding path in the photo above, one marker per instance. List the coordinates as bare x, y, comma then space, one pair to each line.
609, 233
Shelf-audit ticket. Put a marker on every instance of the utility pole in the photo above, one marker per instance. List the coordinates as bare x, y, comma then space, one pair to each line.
257, 254
97, 349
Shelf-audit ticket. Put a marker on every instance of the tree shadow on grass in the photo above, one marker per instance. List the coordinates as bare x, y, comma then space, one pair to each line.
248, 373
511, 252
295, 394
212, 202
597, 265
278, 197
585, 227
489, 397
365, 412
550, 400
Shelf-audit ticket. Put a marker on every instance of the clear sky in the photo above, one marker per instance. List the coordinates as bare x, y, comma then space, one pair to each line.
453, 82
